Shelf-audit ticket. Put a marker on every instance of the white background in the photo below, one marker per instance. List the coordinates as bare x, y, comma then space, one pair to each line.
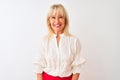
95, 22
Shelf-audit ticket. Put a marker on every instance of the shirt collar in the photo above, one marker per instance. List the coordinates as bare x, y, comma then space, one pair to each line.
55, 35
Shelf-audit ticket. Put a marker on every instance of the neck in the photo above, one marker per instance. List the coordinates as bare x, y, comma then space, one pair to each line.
58, 33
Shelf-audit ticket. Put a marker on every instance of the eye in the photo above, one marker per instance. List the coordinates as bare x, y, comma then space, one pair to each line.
60, 16
52, 17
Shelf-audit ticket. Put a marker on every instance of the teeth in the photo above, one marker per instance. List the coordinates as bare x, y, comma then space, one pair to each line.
57, 25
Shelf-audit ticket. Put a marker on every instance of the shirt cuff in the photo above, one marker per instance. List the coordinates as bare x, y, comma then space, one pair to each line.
38, 70
78, 67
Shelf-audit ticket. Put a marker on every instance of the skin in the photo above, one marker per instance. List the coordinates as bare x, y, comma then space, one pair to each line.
57, 23
39, 76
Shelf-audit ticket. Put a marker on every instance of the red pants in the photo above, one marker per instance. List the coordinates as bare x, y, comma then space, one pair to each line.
49, 77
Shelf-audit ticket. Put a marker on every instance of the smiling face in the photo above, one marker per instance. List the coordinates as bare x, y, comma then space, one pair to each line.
57, 23
57, 20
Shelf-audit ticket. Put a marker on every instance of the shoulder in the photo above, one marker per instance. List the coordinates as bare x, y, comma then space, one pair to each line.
43, 39
74, 38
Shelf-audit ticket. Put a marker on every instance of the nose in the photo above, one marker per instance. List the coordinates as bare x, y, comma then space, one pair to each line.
57, 20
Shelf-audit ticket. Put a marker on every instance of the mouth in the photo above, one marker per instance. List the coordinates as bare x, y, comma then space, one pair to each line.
57, 25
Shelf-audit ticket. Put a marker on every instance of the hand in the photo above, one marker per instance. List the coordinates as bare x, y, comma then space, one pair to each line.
39, 76
75, 76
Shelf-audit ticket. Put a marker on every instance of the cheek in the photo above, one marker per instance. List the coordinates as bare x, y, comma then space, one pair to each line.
51, 22
63, 21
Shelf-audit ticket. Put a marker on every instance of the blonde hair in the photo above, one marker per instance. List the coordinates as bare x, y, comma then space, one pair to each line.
54, 9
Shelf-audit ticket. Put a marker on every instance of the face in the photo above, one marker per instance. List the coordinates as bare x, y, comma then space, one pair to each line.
57, 23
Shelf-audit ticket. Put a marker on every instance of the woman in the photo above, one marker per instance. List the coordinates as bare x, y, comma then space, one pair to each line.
59, 51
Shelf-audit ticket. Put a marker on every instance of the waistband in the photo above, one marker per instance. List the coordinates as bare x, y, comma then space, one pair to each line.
50, 77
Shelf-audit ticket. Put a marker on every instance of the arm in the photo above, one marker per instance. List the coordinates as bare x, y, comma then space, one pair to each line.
39, 76
39, 61
78, 61
75, 76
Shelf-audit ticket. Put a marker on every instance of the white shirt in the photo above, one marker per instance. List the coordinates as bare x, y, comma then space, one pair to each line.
59, 60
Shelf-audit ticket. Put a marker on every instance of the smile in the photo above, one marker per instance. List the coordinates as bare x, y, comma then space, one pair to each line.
57, 25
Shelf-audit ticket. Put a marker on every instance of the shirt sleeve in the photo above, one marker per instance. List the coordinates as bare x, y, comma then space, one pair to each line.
39, 61
78, 60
